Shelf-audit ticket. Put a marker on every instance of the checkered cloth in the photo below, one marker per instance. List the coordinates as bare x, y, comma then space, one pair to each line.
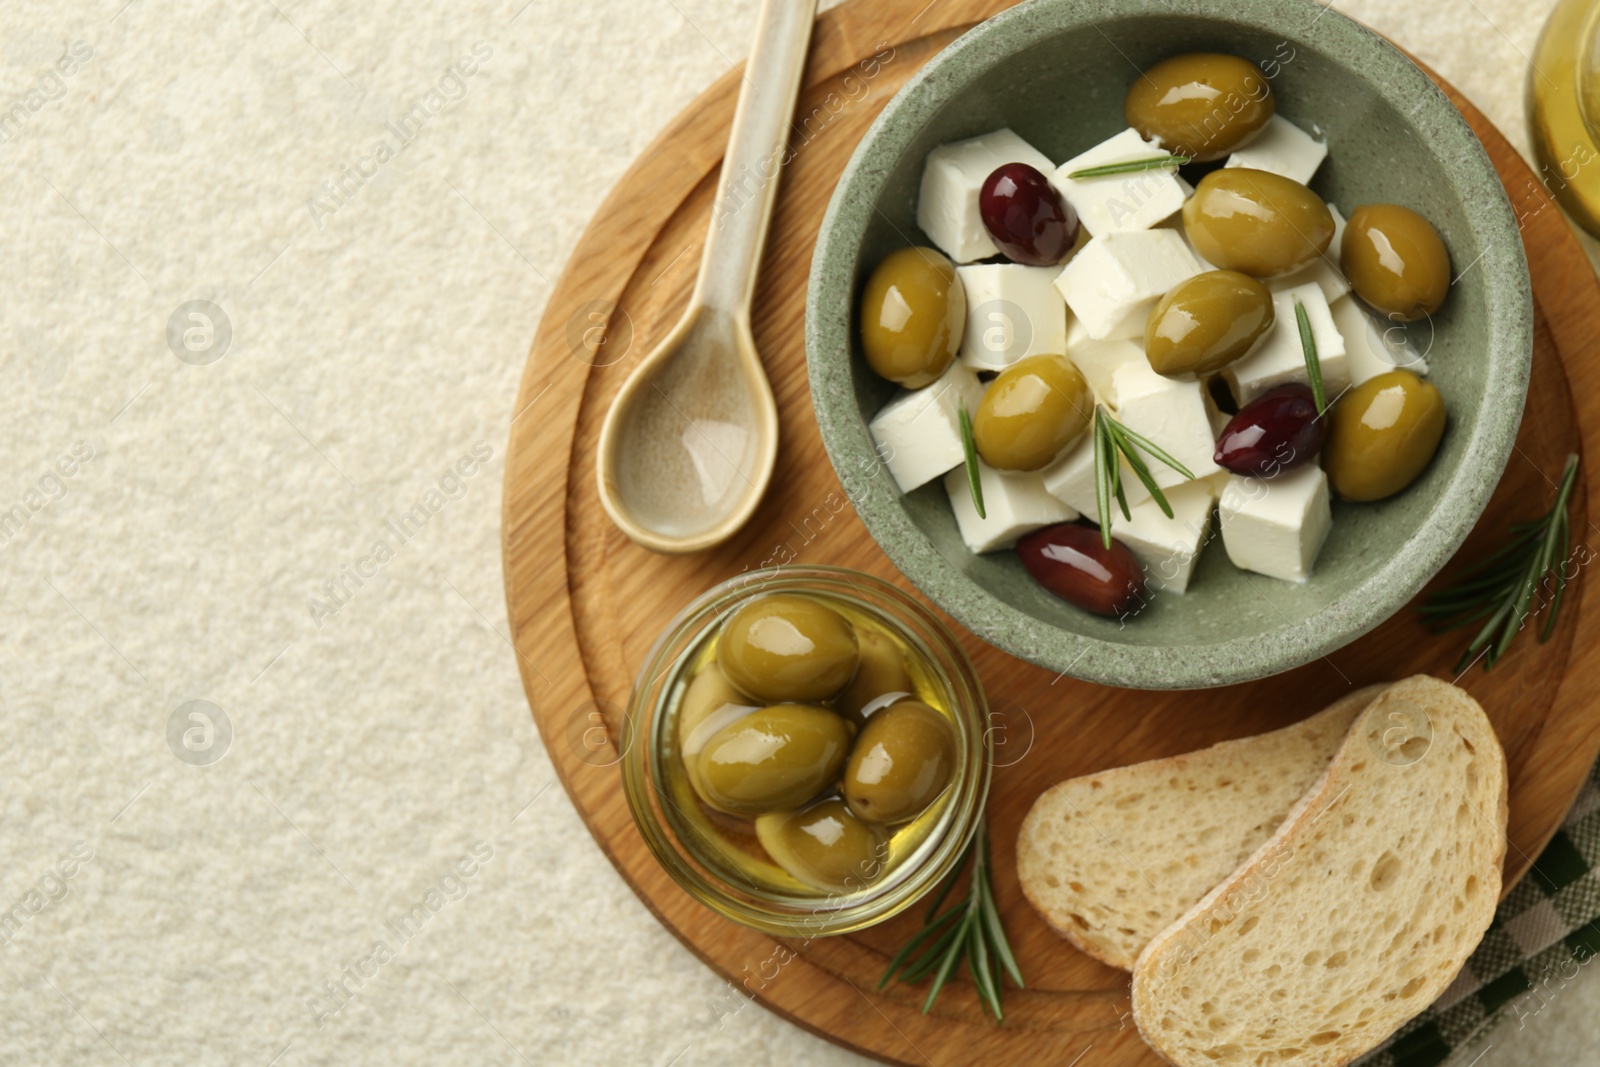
1545, 933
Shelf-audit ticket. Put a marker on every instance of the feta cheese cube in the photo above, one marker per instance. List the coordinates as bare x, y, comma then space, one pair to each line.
1112, 284
1116, 202
1014, 503
947, 204
1099, 360
1012, 312
1173, 414
1277, 527
1278, 357
1070, 479
1370, 351
919, 432
1169, 548
1282, 148
1325, 270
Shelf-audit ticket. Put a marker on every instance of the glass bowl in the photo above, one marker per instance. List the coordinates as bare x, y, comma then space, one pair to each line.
683, 837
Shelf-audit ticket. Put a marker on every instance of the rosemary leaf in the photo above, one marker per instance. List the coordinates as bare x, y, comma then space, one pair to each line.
1131, 167
1502, 589
1149, 446
1308, 344
947, 966
903, 957
970, 447
1104, 457
1137, 462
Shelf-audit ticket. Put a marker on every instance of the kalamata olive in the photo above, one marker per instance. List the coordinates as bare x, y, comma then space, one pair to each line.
1395, 261
1205, 323
1275, 432
1202, 105
1037, 407
1070, 561
1026, 217
1382, 434
1256, 222
913, 314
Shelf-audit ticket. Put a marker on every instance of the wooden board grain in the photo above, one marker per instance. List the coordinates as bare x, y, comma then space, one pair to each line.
585, 603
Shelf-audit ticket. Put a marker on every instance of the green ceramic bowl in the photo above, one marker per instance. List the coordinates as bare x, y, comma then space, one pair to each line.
1056, 72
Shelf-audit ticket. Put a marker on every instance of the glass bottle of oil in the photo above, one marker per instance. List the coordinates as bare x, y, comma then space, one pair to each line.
1563, 100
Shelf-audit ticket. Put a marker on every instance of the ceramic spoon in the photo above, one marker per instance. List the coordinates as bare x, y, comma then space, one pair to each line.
686, 450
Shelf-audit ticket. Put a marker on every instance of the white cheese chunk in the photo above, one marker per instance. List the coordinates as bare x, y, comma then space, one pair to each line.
1277, 527
1370, 351
1099, 360
1135, 201
1012, 312
1169, 548
1071, 480
918, 433
1325, 270
1112, 284
1282, 148
1279, 357
952, 177
1014, 503
1175, 415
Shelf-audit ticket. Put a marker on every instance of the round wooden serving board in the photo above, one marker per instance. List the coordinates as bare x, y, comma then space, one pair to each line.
585, 603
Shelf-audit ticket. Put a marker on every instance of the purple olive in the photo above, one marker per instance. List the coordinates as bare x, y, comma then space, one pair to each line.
1026, 217
1277, 431
1071, 561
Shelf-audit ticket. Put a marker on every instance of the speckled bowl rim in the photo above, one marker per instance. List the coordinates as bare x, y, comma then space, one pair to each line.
1359, 609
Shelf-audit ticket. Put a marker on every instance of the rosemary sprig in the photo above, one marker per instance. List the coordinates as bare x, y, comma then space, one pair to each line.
1111, 441
969, 931
1308, 345
1130, 167
970, 447
1500, 589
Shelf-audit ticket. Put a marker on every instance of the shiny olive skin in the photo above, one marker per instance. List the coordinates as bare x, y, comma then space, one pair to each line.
1202, 105
783, 647
1382, 435
1205, 323
902, 761
1277, 431
773, 759
1255, 222
1395, 261
1026, 217
709, 703
1070, 560
825, 846
881, 677
913, 312
1034, 409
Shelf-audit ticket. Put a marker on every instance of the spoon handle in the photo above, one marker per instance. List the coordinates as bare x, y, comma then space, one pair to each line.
757, 152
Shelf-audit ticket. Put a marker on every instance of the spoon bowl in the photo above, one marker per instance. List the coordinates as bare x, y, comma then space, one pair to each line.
687, 449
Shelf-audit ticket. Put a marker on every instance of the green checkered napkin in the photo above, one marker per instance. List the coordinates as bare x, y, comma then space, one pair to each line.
1546, 931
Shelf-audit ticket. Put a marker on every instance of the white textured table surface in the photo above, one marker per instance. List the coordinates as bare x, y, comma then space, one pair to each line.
230, 528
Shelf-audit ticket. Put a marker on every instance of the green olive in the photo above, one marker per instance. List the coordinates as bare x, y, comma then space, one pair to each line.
913, 312
1255, 222
1034, 409
1202, 105
773, 759
902, 761
1382, 434
825, 846
1207, 322
881, 677
709, 703
1395, 261
787, 648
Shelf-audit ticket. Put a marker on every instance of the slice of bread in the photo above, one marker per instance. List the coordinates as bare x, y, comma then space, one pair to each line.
1357, 913
1112, 859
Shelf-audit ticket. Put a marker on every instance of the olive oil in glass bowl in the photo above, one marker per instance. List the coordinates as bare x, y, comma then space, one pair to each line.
1563, 102
717, 857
